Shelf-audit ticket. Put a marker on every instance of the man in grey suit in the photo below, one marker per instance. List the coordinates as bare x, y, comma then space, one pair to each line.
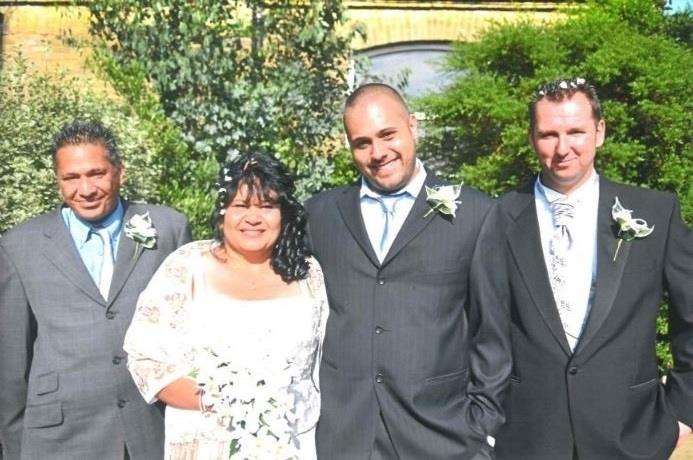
69, 280
588, 263
416, 353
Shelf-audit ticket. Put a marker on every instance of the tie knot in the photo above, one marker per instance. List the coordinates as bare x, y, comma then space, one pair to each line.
102, 232
389, 202
562, 212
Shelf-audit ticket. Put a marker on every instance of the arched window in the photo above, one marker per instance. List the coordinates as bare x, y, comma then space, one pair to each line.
413, 67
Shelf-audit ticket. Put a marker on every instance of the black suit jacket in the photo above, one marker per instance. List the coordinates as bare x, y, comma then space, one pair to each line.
419, 340
604, 400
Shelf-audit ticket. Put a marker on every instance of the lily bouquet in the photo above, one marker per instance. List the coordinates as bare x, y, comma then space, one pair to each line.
255, 404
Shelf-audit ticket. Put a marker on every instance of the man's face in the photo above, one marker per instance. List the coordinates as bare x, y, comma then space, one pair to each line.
566, 137
382, 138
87, 181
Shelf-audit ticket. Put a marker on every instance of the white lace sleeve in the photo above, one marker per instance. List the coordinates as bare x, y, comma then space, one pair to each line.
152, 342
316, 283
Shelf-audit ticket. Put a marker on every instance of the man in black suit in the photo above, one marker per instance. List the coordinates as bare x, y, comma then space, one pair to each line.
588, 263
416, 354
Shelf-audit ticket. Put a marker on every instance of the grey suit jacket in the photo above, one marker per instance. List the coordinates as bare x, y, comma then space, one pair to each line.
65, 391
604, 400
419, 341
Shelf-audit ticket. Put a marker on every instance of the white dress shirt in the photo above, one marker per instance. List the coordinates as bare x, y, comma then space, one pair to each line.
581, 267
372, 211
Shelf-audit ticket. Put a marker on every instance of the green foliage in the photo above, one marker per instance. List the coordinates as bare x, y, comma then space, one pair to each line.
187, 180
237, 76
639, 60
33, 108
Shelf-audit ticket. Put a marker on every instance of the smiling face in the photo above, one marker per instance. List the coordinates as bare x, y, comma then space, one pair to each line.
88, 182
565, 138
251, 225
382, 137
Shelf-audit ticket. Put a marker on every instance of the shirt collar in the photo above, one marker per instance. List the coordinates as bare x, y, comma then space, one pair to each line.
79, 229
412, 188
576, 195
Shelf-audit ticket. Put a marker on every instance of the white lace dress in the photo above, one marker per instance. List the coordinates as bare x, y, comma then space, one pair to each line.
171, 326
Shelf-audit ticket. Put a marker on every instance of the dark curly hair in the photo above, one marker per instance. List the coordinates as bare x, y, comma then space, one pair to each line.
79, 132
266, 178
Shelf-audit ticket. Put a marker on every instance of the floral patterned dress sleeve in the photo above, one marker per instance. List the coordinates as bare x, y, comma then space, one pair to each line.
316, 282
156, 353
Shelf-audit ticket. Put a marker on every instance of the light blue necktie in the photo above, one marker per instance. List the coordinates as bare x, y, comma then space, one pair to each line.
388, 204
107, 264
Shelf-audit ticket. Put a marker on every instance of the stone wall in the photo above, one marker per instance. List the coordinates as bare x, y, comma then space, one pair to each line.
41, 30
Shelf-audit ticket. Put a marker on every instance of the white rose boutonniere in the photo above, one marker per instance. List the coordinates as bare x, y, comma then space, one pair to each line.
629, 228
140, 229
443, 199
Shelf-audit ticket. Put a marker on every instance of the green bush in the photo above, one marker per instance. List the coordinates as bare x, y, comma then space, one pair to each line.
236, 76
639, 60
33, 107
187, 179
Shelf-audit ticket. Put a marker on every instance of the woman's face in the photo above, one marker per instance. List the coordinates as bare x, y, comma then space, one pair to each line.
251, 226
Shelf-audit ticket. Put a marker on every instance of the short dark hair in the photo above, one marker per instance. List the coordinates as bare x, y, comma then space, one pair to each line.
78, 132
268, 179
374, 88
559, 90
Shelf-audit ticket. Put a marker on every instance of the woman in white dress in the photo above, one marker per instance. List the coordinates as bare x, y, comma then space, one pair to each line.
250, 298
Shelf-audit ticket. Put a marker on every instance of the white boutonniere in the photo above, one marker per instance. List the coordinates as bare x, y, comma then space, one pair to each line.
443, 199
629, 228
140, 229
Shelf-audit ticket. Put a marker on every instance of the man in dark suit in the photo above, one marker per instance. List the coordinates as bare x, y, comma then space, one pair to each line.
416, 353
588, 263
69, 280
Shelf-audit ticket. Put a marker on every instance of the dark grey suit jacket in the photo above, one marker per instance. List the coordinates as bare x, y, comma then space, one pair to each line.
419, 341
604, 400
65, 391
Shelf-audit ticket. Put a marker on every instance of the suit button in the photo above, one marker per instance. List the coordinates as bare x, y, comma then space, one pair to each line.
573, 370
110, 314
378, 330
117, 360
121, 403
381, 281
379, 378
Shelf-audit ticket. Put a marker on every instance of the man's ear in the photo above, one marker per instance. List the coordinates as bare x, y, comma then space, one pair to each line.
121, 173
530, 138
414, 126
601, 132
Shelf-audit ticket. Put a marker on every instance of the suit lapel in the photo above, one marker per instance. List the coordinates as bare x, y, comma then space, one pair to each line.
415, 221
349, 207
525, 244
127, 255
60, 250
609, 272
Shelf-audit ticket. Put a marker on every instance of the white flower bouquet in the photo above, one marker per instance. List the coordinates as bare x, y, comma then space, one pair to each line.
254, 404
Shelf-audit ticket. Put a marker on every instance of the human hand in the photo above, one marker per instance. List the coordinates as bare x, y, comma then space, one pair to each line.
684, 433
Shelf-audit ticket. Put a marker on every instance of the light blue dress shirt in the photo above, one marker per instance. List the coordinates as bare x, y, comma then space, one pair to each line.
372, 211
89, 244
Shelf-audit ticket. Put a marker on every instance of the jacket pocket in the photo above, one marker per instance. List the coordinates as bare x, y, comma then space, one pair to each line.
46, 383
449, 376
43, 415
643, 385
